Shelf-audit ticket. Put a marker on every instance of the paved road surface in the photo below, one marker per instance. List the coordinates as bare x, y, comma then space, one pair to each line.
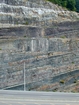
37, 98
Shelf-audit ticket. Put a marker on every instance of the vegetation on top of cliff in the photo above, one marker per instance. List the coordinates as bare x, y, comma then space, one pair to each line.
77, 5
72, 5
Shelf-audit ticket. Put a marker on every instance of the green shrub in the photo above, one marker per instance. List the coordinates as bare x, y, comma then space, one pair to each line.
24, 35
26, 23
55, 89
62, 81
72, 62
75, 81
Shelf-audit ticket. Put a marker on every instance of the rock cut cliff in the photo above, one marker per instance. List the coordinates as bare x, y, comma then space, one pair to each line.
41, 38
33, 12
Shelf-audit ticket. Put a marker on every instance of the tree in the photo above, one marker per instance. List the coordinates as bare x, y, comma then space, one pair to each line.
64, 3
77, 5
71, 5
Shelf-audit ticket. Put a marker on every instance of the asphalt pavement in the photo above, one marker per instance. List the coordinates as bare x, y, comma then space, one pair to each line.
8, 97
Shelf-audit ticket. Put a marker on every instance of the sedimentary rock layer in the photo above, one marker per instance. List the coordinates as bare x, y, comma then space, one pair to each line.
33, 12
61, 30
49, 63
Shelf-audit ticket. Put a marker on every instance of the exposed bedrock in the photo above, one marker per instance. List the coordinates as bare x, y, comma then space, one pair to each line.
41, 40
61, 30
33, 12
50, 63
21, 31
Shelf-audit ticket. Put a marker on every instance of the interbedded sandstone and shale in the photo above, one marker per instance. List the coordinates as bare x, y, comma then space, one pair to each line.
39, 46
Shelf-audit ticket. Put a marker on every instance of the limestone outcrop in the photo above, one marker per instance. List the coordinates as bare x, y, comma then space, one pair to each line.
57, 30
50, 64
39, 44
33, 12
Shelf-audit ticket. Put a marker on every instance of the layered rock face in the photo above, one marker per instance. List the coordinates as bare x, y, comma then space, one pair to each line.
41, 41
50, 63
59, 30
33, 12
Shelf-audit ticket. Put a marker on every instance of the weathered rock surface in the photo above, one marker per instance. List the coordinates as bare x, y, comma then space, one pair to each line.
47, 48
33, 12
47, 63
61, 30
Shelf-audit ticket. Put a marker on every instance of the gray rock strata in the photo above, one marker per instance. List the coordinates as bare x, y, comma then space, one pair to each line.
47, 63
33, 12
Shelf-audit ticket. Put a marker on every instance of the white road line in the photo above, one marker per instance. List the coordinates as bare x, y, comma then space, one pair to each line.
35, 100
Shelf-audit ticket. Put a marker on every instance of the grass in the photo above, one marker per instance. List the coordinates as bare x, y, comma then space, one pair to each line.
63, 37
